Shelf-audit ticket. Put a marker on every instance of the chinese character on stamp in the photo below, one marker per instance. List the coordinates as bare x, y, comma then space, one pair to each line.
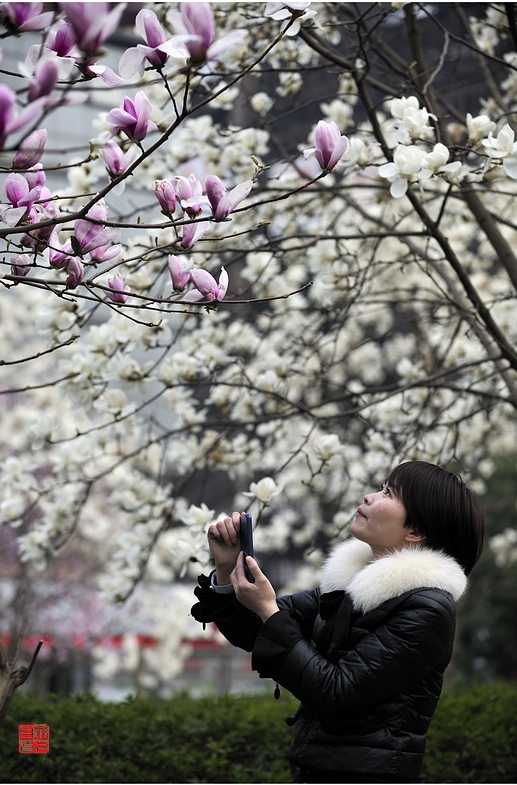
33, 739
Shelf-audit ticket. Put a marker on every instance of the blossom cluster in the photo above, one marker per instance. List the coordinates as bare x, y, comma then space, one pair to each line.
70, 49
418, 163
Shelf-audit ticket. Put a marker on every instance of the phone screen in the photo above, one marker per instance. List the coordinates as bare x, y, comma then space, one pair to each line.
246, 538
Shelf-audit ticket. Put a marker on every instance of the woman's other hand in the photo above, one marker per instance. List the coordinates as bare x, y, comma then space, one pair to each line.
224, 544
260, 596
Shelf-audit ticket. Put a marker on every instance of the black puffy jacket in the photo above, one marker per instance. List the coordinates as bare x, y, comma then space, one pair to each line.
365, 654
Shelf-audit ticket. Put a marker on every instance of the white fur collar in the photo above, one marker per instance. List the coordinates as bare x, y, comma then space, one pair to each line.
370, 581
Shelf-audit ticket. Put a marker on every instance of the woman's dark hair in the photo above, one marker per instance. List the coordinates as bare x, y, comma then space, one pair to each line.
440, 507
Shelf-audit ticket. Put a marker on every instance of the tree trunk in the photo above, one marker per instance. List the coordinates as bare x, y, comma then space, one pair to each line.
11, 677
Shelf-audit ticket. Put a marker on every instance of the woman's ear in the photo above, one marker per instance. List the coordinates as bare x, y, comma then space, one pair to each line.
414, 536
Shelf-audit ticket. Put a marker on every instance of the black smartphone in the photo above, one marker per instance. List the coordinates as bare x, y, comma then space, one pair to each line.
246, 541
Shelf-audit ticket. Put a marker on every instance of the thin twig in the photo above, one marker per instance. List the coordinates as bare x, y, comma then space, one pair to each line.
40, 354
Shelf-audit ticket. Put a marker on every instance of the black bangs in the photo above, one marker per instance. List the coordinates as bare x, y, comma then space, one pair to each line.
404, 473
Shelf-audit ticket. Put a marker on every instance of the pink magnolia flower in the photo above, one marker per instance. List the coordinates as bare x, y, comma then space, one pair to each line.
43, 69
75, 272
192, 232
92, 23
92, 236
61, 39
38, 53
30, 150
59, 256
135, 58
27, 16
88, 235
21, 264
195, 28
105, 74
207, 287
132, 118
118, 290
330, 145
61, 44
44, 80
36, 176
16, 188
104, 253
10, 119
190, 193
180, 274
43, 66
38, 239
117, 161
21, 198
166, 195
222, 202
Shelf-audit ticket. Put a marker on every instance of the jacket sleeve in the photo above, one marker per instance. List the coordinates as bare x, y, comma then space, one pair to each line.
410, 642
239, 625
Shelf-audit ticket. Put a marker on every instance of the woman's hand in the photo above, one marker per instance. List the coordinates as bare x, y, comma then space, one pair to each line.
224, 544
260, 596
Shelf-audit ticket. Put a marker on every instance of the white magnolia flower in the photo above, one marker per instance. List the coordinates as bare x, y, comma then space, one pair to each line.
261, 103
34, 547
510, 164
408, 165
438, 158
411, 120
17, 473
290, 83
399, 106
437, 162
407, 370
42, 430
227, 97
504, 547
198, 516
282, 11
113, 401
504, 147
179, 366
264, 490
190, 548
479, 127
327, 446
340, 111
358, 152
12, 507
267, 381
415, 124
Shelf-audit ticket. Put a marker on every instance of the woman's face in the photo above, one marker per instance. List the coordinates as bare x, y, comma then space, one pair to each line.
379, 521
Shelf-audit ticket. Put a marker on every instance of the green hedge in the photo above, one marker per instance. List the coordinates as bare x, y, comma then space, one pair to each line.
144, 740
473, 738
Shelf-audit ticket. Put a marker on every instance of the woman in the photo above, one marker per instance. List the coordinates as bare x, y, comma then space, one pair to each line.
365, 652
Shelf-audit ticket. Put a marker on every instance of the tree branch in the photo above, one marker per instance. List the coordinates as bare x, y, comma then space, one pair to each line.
487, 223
